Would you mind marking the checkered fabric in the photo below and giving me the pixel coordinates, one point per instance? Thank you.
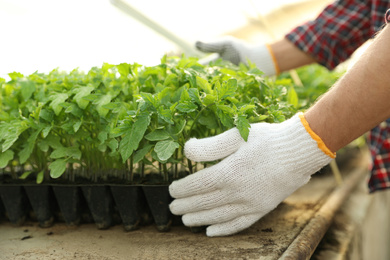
(339, 30)
(330, 39)
(379, 140)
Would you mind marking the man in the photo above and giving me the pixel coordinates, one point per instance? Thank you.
(255, 176)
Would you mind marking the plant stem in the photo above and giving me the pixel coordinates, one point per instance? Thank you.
(142, 169)
(72, 175)
(197, 117)
(176, 174)
(166, 178)
(190, 165)
(131, 169)
(44, 166)
(13, 173)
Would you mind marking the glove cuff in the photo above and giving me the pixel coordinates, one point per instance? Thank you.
(321, 145)
(265, 60)
(275, 62)
(293, 145)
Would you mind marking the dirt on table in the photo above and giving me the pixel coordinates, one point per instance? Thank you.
(86, 242)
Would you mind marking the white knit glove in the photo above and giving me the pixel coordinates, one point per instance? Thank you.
(237, 51)
(254, 177)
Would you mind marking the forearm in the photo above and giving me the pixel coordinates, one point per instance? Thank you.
(359, 101)
(288, 56)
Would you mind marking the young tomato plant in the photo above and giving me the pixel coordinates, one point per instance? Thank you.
(126, 122)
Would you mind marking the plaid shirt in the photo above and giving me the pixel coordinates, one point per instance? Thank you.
(330, 39)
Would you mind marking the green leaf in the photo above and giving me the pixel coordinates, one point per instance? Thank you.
(15, 75)
(5, 157)
(186, 107)
(209, 99)
(37, 79)
(154, 157)
(124, 69)
(179, 127)
(164, 96)
(80, 94)
(74, 110)
(171, 79)
(27, 88)
(115, 106)
(190, 76)
(50, 141)
(43, 146)
(172, 108)
(131, 139)
(292, 97)
(91, 97)
(12, 134)
(40, 177)
(106, 68)
(226, 119)
(165, 149)
(157, 135)
(255, 71)
(209, 120)
(226, 109)
(57, 168)
(228, 71)
(102, 148)
(140, 154)
(77, 125)
(243, 126)
(102, 136)
(25, 175)
(228, 89)
(149, 99)
(46, 131)
(164, 59)
(54, 141)
(29, 147)
(165, 114)
(10, 139)
(62, 152)
(245, 108)
(47, 115)
(103, 100)
(57, 100)
(113, 145)
(35, 114)
(280, 91)
(194, 95)
(3, 130)
(184, 96)
(204, 85)
(262, 117)
(68, 127)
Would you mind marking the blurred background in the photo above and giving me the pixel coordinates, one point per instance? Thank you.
(42, 35)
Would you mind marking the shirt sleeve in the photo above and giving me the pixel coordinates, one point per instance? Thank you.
(336, 33)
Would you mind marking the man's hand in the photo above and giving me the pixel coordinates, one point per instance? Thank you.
(237, 51)
(252, 179)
